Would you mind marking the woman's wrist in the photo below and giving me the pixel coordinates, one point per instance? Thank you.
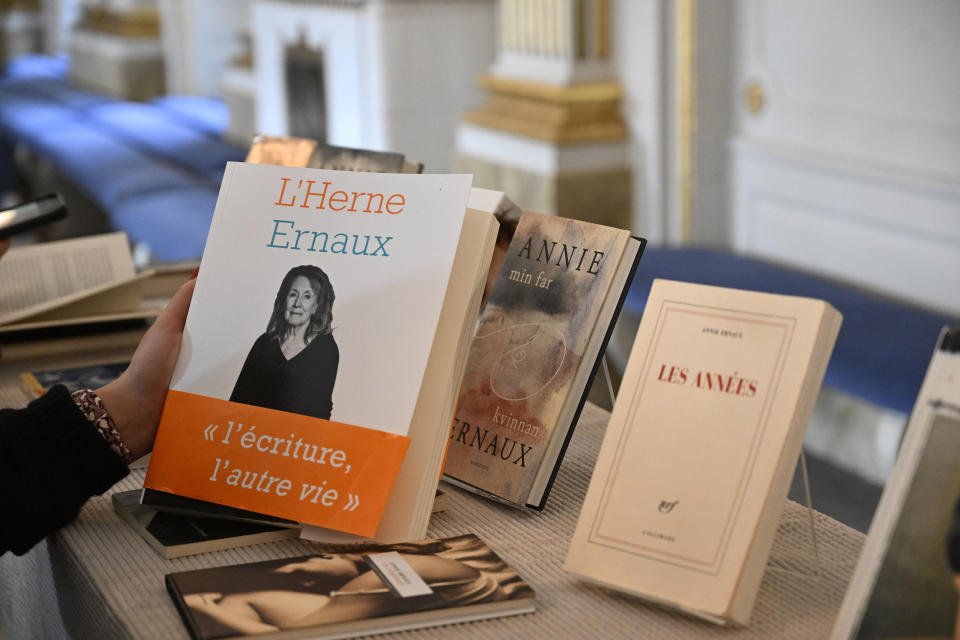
(92, 407)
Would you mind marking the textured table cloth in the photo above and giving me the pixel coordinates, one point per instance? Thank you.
(98, 579)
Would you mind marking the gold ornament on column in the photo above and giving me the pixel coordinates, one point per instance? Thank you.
(754, 96)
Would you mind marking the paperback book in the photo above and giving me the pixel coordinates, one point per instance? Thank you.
(701, 446)
(363, 590)
(539, 341)
(327, 336)
(175, 535)
(907, 580)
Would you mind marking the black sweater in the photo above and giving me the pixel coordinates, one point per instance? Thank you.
(51, 461)
(303, 384)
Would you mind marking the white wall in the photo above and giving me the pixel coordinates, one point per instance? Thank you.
(852, 169)
(874, 82)
(200, 37)
(399, 75)
(638, 40)
(716, 96)
(59, 16)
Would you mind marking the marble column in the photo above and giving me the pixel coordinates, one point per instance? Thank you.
(550, 133)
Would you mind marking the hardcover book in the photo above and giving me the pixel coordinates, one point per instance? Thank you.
(539, 341)
(364, 590)
(907, 580)
(304, 152)
(701, 446)
(174, 535)
(324, 346)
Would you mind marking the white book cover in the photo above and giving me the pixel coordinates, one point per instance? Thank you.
(701, 445)
(304, 350)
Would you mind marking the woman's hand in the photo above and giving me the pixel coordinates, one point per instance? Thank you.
(135, 399)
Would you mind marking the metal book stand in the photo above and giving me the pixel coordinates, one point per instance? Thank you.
(783, 563)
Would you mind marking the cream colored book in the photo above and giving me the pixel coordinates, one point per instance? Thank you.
(324, 347)
(413, 498)
(701, 446)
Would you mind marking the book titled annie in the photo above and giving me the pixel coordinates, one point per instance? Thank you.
(536, 348)
(313, 326)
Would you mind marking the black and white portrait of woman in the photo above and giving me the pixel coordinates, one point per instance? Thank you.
(293, 365)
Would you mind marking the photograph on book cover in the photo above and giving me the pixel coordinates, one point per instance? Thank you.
(918, 583)
(292, 366)
(318, 292)
(329, 588)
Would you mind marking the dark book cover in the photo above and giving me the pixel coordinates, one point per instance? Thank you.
(369, 589)
(74, 378)
(328, 156)
(174, 535)
(172, 503)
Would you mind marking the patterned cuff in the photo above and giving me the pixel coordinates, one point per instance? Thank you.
(91, 406)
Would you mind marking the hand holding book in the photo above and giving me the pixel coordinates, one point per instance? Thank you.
(50, 444)
(286, 427)
(135, 399)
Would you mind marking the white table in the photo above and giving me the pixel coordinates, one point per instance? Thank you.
(98, 579)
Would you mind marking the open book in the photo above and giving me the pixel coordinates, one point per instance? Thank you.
(324, 347)
(82, 280)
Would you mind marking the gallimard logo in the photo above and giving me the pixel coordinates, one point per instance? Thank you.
(327, 197)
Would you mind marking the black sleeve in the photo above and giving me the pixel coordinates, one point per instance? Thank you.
(51, 461)
(246, 389)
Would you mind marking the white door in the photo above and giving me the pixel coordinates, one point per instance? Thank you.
(845, 158)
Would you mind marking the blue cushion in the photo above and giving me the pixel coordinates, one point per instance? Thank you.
(61, 92)
(108, 170)
(205, 114)
(153, 130)
(24, 115)
(35, 65)
(173, 222)
(883, 348)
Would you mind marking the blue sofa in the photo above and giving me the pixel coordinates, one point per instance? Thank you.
(883, 348)
(153, 169)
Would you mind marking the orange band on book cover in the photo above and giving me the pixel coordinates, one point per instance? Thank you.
(316, 471)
